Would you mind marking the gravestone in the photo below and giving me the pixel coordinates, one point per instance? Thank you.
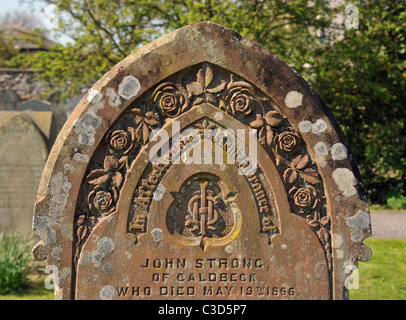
(35, 105)
(44, 121)
(201, 167)
(8, 99)
(23, 152)
(72, 103)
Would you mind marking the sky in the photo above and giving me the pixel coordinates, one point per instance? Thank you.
(14, 5)
(36, 7)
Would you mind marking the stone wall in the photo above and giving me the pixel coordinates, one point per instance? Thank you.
(22, 82)
(20, 85)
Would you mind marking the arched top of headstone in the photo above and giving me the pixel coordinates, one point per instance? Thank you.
(23, 153)
(43, 121)
(204, 76)
(35, 105)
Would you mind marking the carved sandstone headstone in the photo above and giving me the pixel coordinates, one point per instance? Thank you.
(201, 167)
(23, 152)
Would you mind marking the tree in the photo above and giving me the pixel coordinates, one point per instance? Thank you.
(362, 78)
(7, 40)
(7, 50)
(360, 74)
(106, 31)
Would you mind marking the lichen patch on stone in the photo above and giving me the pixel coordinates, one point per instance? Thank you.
(338, 151)
(319, 126)
(293, 99)
(107, 292)
(129, 87)
(345, 180)
(359, 222)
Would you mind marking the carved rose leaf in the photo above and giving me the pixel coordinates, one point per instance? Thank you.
(208, 77)
(111, 163)
(151, 119)
(81, 220)
(313, 223)
(325, 220)
(204, 87)
(274, 118)
(81, 233)
(290, 175)
(262, 137)
(324, 235)
(97, 176)
(194, 89)
(210, 98)
(219, 88)
(269, 135)
(137, 112)
(142, 133)
(117, 179)
(258, 123)
(300, 162)
(310, 176)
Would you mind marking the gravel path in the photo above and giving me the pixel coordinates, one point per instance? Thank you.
(390, 225)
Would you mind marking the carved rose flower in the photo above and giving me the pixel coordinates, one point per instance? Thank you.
(120, 141)
(103, 201)
(304, 198)
(240, 98)
(169, 99)
(289, 141)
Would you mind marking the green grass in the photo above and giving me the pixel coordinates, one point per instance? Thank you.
(384, 276)
(34, 290)
(383, 208)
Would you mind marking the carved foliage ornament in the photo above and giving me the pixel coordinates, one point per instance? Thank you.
(173, 97)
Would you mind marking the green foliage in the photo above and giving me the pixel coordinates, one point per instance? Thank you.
(396, 201)
(15, 255)
(7, 51)
(105, 31)
(362, 78)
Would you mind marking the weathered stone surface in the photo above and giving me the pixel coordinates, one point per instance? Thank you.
(171, 227)
(34, 105)
(23, 152)
(8, 100)
(43, 120)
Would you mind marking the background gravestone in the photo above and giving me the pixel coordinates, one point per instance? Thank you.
(71, 104)
(35, 105)
(8, 100)
(290, 229)
(23, 152)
